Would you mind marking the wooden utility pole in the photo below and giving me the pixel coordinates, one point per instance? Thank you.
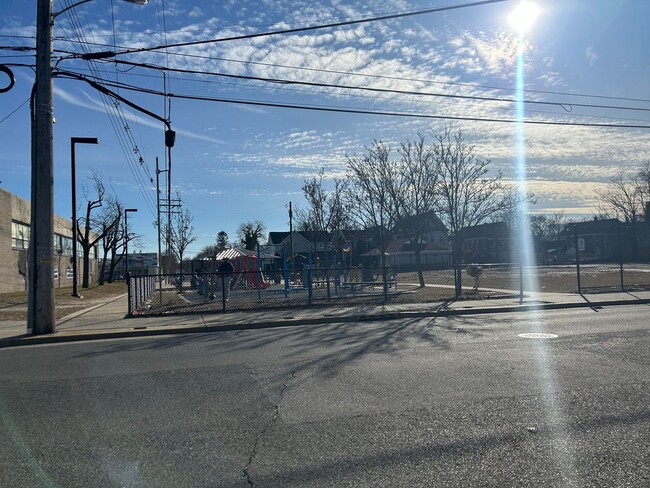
(40, 294)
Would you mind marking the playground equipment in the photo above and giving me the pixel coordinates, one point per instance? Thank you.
(248, 273)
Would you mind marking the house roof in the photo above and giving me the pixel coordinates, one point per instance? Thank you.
(593, 226)
(492, 230)
(234, 252)
(405, 245)
(429, 220)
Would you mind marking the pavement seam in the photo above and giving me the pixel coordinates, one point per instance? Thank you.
(246, 473)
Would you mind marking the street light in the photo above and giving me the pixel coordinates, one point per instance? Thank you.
(40, 294)
(73, 141)
(126, 240)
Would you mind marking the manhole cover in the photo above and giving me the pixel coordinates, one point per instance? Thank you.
(537, 335)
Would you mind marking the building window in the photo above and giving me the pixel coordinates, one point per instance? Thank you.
(19, 235)
(66, 245)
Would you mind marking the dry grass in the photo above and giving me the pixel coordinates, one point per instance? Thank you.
(13, 306)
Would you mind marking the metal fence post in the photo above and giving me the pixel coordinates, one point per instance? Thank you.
(128, 294)
(223, 292)
(384, 272)
(327, 281)
(575, 238)
(309, 284)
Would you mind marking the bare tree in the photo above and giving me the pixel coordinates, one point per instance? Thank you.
(110, 221)
(416, 198)
(326, 211)
(249, 234)
(89, 230)
(373, 181)
(643, 181)
(623, 197)
(513, 207)
(182, 235)
(469, 195)
(206, 252)
(547, 227)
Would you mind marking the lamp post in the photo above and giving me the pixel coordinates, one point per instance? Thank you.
(126, 240)
(40, 295)
(73, 141)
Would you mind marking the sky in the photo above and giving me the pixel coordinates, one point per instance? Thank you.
(234, 162)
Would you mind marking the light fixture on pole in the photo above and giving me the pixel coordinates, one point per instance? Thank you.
(40, 292)
(73, 172)
(126, 241)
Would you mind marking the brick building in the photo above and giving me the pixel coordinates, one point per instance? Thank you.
(15, 216)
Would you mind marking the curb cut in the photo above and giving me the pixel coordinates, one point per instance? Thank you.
(27, 340)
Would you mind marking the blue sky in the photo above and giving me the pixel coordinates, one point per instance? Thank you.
(235, 163)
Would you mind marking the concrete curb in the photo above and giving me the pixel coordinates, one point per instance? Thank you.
(26, 340)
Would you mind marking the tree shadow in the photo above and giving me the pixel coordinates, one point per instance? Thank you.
(337, 345)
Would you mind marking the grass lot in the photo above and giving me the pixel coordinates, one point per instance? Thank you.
(13, 306)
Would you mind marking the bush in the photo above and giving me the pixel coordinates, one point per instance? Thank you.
(475, 272)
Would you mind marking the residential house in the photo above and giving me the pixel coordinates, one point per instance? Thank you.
(486, 243)
(609, 239)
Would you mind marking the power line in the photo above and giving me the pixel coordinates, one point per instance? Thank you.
(117, 119)
(385, 77)
(567, 106)
(369, 112)
(294, 30)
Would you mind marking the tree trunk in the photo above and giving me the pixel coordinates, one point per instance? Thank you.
(418, 264)
(86, 273)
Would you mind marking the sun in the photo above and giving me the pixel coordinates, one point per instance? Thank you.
(523, 16)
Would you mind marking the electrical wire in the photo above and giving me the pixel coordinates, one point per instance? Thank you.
(567, 106)
(14, 110)
(361, 111)
(298, 29)
(117, 119)
(387, 77)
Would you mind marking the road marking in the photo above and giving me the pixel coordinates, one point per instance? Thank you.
(537, 335)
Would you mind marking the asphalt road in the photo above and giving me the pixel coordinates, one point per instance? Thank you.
(458, 401)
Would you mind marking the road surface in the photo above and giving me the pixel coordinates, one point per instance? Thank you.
(457, 401)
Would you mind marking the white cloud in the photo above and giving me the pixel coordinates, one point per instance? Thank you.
(591, 55)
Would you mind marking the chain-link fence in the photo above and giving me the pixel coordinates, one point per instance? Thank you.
(320, 289)
(315, 288)
(610, 256)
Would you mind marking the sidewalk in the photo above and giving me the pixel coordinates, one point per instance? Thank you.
(108, 320)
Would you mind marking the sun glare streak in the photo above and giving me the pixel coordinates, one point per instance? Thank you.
(555, 420)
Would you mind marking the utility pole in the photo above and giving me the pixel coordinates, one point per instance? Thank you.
(40, 294)
(291, 236)
(158, 228)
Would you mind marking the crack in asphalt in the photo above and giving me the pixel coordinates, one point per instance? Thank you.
(276, 411)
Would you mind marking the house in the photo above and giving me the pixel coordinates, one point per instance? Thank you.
(401, 249)
(429, 225)
(15, 217)
(486, 243)
(307, 246)
(400, 253)
(608, 239)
